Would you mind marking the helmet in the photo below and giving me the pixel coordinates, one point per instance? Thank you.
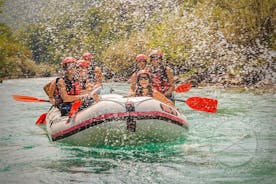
(68, 60)
(157, 53)
(83, 63)
(143, 72)
(87, 56)
(141, 57)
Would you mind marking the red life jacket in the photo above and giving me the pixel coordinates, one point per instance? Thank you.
(160, 81)
(72, 88)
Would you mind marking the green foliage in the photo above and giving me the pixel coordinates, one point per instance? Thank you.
(72, 35)
(245, 20)
(171, 36)
(189, 32)
(15, 58)
(119, 57)
(1, 4)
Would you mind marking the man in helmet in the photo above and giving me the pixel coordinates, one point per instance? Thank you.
(162, 76)
(141, 63)
(68, 72)
(95, 72)
(66, 89)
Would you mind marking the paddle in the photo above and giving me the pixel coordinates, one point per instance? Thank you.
(183, 88)
(196, 103)
(201, 103)
(23, 98)
(41, 119)
(76, 105)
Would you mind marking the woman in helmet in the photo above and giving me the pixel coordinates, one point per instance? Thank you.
(83, 74)
(83, 77)
(94, 72)
(141, 63)
(85, 85)
(65, 90)
(162, 76)
(144, 88)
(68, 72)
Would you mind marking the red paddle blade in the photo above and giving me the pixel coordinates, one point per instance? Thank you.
(41, 119)
(202, 104)
(75, 107)
(23, 98)
(183, 88)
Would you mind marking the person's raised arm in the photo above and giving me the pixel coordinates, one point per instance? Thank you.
(132, 87)
(159, 96)
(98, 75)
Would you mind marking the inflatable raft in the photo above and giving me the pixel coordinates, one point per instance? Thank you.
(116, 120)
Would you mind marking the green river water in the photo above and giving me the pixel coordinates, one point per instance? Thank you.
(235, 145)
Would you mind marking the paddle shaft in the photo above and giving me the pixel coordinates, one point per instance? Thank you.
(23, 98)
(179, 100)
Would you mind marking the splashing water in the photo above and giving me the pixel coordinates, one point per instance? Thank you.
(234, 145)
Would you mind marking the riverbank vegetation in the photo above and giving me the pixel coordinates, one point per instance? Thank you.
(230, 43)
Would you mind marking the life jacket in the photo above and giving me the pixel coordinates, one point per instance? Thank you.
(160, 80)
(72, 88)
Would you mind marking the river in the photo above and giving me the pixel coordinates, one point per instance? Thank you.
(235, 145)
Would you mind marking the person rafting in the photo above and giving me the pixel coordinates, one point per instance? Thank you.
(162, 76)
(95, 72)
(144, 87)
(141, 63)
(85, 85)
(65, 90)
(82, 75)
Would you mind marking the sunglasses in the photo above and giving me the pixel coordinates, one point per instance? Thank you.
(144, 77)
(154, 57)
(69, 66)
(142, 61)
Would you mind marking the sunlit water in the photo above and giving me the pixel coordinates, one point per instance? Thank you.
(235, 145)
